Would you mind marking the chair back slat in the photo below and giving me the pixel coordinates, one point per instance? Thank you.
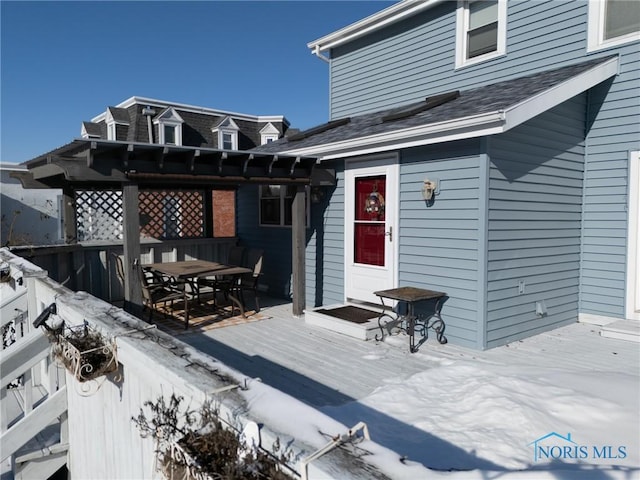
(236, 255)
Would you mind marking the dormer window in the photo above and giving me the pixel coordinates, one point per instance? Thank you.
(612, 22)
(227, 131)
(269, 133)
(117, 120)
(169, 127)
(481, 31)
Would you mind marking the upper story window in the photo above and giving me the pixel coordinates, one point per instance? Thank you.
(111, 131)
(275, 205)
(227, 131)
(269, 133)
(481, 31)
(613, 22)
(169, 127)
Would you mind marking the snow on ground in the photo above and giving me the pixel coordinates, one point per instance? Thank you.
(479, 416)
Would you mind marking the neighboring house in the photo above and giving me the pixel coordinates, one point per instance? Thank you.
(503, 138)
(170, 213)
(29, 217)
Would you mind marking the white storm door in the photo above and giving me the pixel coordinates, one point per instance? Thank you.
(371, 230)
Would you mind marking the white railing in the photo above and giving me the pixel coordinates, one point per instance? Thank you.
(33, 400)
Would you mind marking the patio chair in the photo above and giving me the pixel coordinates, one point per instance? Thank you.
(249, 281)
(235, 257)
(155, 291)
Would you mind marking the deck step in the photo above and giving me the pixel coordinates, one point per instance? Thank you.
(361, 331)
(623, 330)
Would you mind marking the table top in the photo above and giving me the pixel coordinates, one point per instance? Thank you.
(409, 294)
(196, 268)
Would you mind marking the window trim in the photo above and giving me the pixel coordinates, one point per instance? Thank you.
(177, 126)
(283, 189)
(111, 131)
(462, 28)
(595, 29)
(169, 118)
(234, 138)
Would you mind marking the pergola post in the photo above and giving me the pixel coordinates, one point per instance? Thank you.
(298, 216)
(69, 215)
(131, 233)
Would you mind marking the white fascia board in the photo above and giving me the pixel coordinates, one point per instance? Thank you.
(152, 102)
(374, 22)
(468, 127)
(535, 105)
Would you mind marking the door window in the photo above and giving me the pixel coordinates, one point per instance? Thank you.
(369, 225)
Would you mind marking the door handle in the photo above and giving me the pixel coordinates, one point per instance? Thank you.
(389, 234)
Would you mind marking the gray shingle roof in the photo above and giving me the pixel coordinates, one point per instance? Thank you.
(486, 99)
(92, 129)
(120, 115)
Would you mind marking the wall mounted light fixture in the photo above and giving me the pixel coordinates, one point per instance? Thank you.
(430, 187)
(317, 194)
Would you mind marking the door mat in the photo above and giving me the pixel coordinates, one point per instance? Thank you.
(350, 314)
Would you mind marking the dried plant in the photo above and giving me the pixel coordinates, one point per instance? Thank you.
(197, 445)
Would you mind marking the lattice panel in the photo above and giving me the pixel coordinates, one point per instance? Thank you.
(172, 214)
(99, 214)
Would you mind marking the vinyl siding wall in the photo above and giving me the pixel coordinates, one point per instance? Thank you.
(325, 248)
(614, 121)
(275, 241)
(439, 243)
(415, 58)
(535, 203)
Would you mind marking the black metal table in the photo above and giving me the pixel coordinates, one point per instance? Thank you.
(410, 322)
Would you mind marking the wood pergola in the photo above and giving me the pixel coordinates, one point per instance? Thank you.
(88, 164)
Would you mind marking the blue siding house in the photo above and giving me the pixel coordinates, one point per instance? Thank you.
(502, 142)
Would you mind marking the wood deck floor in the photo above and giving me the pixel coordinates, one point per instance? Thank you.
(323, 368)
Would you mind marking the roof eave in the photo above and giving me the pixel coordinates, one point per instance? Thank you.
(370, 24)
(489, 123)
(467, 127)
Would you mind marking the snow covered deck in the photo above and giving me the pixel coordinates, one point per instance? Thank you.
(448, 407)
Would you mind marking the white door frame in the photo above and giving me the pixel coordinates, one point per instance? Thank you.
(633, 239)
(357, 165)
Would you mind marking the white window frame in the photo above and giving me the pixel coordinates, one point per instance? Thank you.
(169, 118)
(283, 189)
(234, 138)
(229, 127)
(462, 27)
(595, 31)
(111, 131)
(177, 126)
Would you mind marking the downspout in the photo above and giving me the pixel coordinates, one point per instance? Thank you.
(149, 112)
(316, 52)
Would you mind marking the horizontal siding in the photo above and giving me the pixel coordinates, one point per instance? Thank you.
(325, 253)
(275, 241)
(415, 58)
(534, 215)
(438, 247)
(614, 131)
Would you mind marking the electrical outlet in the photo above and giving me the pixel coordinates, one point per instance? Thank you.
(520, 287)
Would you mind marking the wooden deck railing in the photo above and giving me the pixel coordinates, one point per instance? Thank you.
(90, 266)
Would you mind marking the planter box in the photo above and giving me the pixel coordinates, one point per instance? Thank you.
(86, 353)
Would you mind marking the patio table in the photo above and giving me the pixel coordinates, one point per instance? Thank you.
(188, 271)
(410, 322)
